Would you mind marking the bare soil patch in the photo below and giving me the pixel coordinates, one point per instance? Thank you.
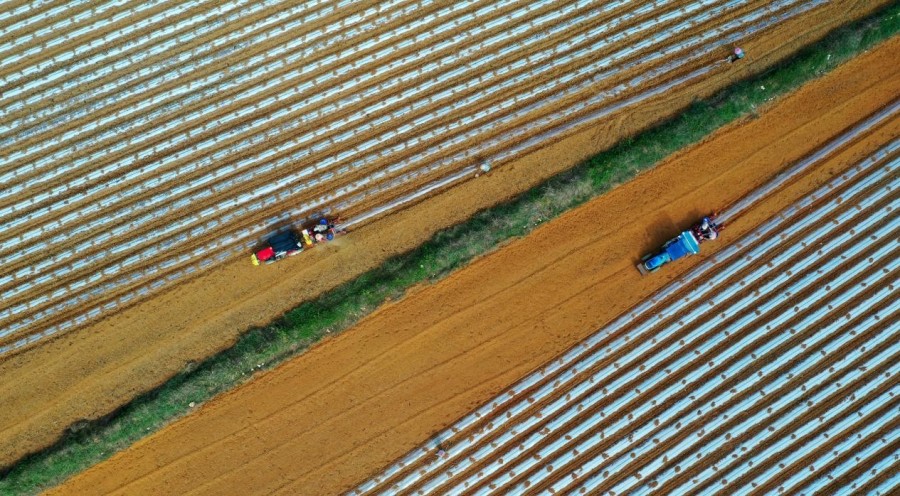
(327, 419)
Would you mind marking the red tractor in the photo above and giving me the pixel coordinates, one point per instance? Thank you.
(287, 243)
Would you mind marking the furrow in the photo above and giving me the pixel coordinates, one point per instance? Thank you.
(783, 323)
(863, 419)
(51, 40)
(732, 370)
(88, 73)
(704, 348)
(802, 356)
(887, 474)
(692, 472)
(575, 393)
(179, 262)
(261, 89)
(585, 357)
(860, 463)
(19, 15)
(809, 383)
(187, 172)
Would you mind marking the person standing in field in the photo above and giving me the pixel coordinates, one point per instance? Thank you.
(440, 450)
(738, 54)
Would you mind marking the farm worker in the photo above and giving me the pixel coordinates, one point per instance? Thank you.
(322, 227)
(707, 230)
(440, 452)
(737, 55)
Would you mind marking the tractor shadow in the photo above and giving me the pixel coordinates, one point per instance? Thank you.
(659, 230)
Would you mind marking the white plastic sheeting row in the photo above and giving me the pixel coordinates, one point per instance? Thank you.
(700, 340)
(203, 181)
(618, 455)
(123, 57)
(587, 397)
(149, 257)
(80, 29)
(126, 52)
(162, 199)
(263, 77)
(882, 465)
(319, 115)
(70, 21)
(28, 10)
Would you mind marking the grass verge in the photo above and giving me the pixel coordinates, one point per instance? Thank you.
(89, 443)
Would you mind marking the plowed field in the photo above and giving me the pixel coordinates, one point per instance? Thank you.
(329, 419)
(771, 365)
(144, 142)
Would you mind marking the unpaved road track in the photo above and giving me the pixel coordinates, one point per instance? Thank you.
(327, 420)
(88, 373)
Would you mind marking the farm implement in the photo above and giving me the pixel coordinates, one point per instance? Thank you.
(686, 243)
(291, 242)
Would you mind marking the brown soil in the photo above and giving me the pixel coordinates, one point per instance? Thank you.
(88, 373)
(190, 246)
(708, 361)
(324, 421)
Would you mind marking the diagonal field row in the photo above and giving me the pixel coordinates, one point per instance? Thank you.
(345, 410)
(770, 368)
(143, 142)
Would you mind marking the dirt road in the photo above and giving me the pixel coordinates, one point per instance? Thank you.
(328, 419)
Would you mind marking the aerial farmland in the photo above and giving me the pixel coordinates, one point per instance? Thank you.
(147, 149)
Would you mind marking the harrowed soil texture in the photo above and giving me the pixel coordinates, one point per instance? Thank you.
(328, 419)
(88, 373)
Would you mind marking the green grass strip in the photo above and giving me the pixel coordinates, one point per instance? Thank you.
(262, 348)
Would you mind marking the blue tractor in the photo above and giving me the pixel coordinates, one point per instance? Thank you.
(686, 243)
